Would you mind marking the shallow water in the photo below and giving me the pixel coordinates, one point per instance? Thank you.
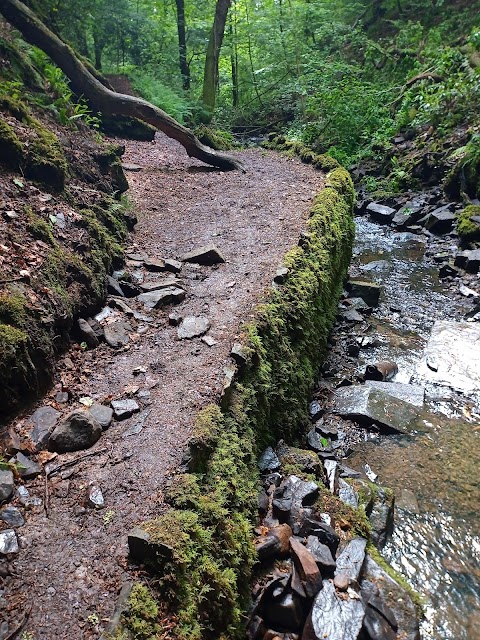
(436, 543)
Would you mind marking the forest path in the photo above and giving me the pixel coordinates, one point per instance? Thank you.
(73, 558)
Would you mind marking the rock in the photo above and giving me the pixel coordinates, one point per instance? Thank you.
(27, 468)
(291, 496)
(7, 485)
(307, 568)
(319, 444)
(281, 275)
(114, 288)
(8, 542)
(116, 333)
(380, 212)
(350, 560)
(256, 629)
(87, 334)
(95, 497)
(12, 516)
(174, 266)
(239, 353)
(369, 291)
(61, 397)
(351, 315)
(324, 532)
(474, 314)
(322, 554)
(207, 255)
(440, 220)
(447, 271)
(123, 409)
(407, 215)
(268, 461)
(193, 326)
(174, 319)
(468, 260)
(347, 494)
(143, 550)
(331, 470)
(367, 406)
(412, 393)
(302, 459)
(154, 264)
(376, 624)
(103, 315)
(467, 292)
(407, 500)
(333, 617)
(26, 499)
(44, 420)
(136, 256)
(286, 613)
(394, 596)
(382, 517)
(347, 472)
(452, 356)
(209, 341)
(384, 370)
(138, 424)
(315, 410)
(102, 414)
(157, 285)
(130, 166)
(263, 503)
(155, 299)
(129, 289)
(78, 430)
(275, 543)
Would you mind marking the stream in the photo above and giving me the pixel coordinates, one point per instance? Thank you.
(434, 470)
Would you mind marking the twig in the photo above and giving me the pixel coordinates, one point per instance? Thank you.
(11, 280)
(19, 626)
(46, 502)
(71, 463)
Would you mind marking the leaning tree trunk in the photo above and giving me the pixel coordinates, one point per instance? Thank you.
(210, 76)
(104, 99)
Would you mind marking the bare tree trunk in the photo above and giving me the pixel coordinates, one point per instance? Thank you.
(210, 77)
(182, 44)
(104, 99)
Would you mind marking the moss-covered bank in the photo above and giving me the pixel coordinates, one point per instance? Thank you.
(202, 547)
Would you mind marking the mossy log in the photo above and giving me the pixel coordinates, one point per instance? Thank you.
(107, 101)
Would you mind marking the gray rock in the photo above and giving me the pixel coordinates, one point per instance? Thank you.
(303, 459)
(468, 260)
(103, 315)
(78, 430)
(193, 326)
(351, 559)
(347, 494)
(143, 549)
(129, 289)
(412, 393)
(12, 516)
(291, 501)
(7, 485)
(138, 424)
(369, 291)
(268, 461)
(239, 353)
(123, 409)
(61, 397)
(102, 414)
(376, 623)
(8, 542)
(130, 166)
(95, 497)
(156, 285)
(44, 420)
(281, 275)
(26, 499)
(87, 334)
(27, 468)
(351, 315)
(136, 256)
(380, 212)
(209, 341)
(331, 470)
(116, 333)
(440, 220)
(286, 613)
(206, 255)
(174, 266)
(315, 410)
(322, 554)
(324, 532)
(382, 517)
(333, 617)
(367, 406)
(113, 287)
(154, 264)
(174, 319)
(155, 299)
(407, 215)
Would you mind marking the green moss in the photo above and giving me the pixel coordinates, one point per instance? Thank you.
(11, 149)
(319, 161)
(46, 161)
(216, 138)
(12, 309)
(38, 227)
(466, 229)
(141, 614)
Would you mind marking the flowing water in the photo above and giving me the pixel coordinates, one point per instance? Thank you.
(435, 472)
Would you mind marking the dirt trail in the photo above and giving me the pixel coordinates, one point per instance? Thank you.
(73, 559)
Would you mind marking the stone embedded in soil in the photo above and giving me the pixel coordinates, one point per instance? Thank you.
(380, 212)
(322, 554)
(367, 406)
(130, 166)
(116, 333)
(193, 326)
(281, 275)
(154, 264)
(347, 494)
(350, 560)
(87, 334)
(209, 341)
(136, 256)
(291, 496)
(95, 497)
(411, 393)
(286, 613)
(268, 461)
(168, 295)
(156, 285)
(27, 468)
(368, 291)
(123, 409)
(12, 517)
(78, 430)
(44, 420)
(207, 255)
(129, 289)
(7, 485)
(26, 499)
(102, 414)
(333, 617)
(306, 566)
(114, 288)
(143, 549)
(8, 542)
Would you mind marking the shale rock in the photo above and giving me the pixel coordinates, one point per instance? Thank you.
(268, 461)
(306, 567)
(12, 517)
(102, 414)
(168, 295)
(87, 334)
(380, 212)
(382, 517)
(275, 543)
(207, 255)
(44, 420)
(322, 554)
(440, 220)
(193, 326)
(333, 617)
(351, 559)
(411, 393)
(78, 430)
(123, 409)
(7, 485)
(27, 468)
(368, 291)
(116, 333)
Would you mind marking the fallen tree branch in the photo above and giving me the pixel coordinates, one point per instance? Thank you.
(427, 75)
(104, 99)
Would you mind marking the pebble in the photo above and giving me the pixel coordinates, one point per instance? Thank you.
(12, 516)
(123, 409)
(8, 542)
(95, 497)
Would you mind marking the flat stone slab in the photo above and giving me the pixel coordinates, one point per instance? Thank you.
(160, 284)
(333, 617)
(452, 356)
(155, 299)
(380, 212)
(411, 393)
(207, 255)
(44, 420)
(365, 404)
(193, 326)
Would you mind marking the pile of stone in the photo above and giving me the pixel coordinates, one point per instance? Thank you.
(316, 579)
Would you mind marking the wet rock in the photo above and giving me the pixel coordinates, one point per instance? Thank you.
(281, 275)
(322, 554)
(7, 485)
(26, 499)
(347, 494)
(302, 459)
(440, 220)
(114, 288)
(291, 496)
(384, 370)
(116, 333)
(407, 215)
(382, 517)
(87, 334)
(8, 542)
(376, 625)
(143, 549)
(286, 613)
(154, 264)
(168, 295)
(78, 430)
(12, 517)
(367, 406)
(129, 289)
(331, 470)
(27, 468)
(268, 461)
(123, 409)
(333, 617)
(407, 500)
(193, 326)
(468, 260)
(95, 498)
(174, 266)
(324, 532)
(102, 414)
(380, 212)
(207, 255)
(44, 420)
(394, 596)
(315, 410)
(452, 356)
(412, 393)
(351, 559)
(307, 568)
(276, 543)
(369, 291)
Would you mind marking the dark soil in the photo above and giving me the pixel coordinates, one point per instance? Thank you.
(73, 559)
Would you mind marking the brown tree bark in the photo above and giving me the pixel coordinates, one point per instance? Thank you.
(210, 76)
(104, 99)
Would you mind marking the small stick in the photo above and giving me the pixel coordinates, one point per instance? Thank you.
(70, 463)
(19, 626)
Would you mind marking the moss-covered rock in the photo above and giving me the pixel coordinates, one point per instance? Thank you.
(216, 138)
(11, 149)
(466, 228)
(45, 161)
